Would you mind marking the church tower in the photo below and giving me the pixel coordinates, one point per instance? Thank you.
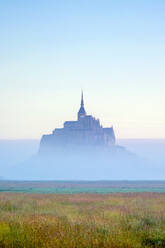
(81, 112)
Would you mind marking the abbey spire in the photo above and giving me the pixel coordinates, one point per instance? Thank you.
(81, 112)
(82, 99)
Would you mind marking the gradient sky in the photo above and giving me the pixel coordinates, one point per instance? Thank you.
(113, 50)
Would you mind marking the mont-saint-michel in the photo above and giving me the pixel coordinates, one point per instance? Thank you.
(85, 132)
(82, 149)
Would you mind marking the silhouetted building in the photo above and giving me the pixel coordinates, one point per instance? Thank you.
(85, 132)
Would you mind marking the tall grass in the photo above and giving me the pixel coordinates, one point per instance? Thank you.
(134, 220)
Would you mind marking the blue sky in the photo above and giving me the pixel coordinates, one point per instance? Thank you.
(113, 50)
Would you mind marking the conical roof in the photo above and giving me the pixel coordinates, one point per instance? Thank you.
(81, 111)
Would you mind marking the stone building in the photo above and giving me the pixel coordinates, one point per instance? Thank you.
(85, 132)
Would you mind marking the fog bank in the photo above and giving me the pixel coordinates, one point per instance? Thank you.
(18, 160)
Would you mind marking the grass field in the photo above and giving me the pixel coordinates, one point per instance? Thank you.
(82, 220)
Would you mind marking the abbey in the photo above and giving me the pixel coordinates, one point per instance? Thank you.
(86, 132)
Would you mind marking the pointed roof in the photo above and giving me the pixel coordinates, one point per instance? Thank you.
(82, 99)
(81, 111)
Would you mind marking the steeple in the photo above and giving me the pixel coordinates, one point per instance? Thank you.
(81, 112)
(82, 99)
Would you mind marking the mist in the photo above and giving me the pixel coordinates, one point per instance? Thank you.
(143, 160)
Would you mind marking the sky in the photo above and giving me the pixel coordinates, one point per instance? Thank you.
(113, 50)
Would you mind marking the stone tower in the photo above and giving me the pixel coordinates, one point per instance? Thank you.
(81, 112)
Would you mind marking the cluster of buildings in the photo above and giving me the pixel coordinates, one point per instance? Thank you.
(86, 132)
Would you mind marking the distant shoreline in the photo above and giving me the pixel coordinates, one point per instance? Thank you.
(83, 186)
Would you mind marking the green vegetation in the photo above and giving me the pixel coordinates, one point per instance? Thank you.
(130, 220)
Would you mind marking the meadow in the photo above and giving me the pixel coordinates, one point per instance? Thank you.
(130, 220)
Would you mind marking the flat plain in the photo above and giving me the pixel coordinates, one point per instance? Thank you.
(76, 187)
(117, 220)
